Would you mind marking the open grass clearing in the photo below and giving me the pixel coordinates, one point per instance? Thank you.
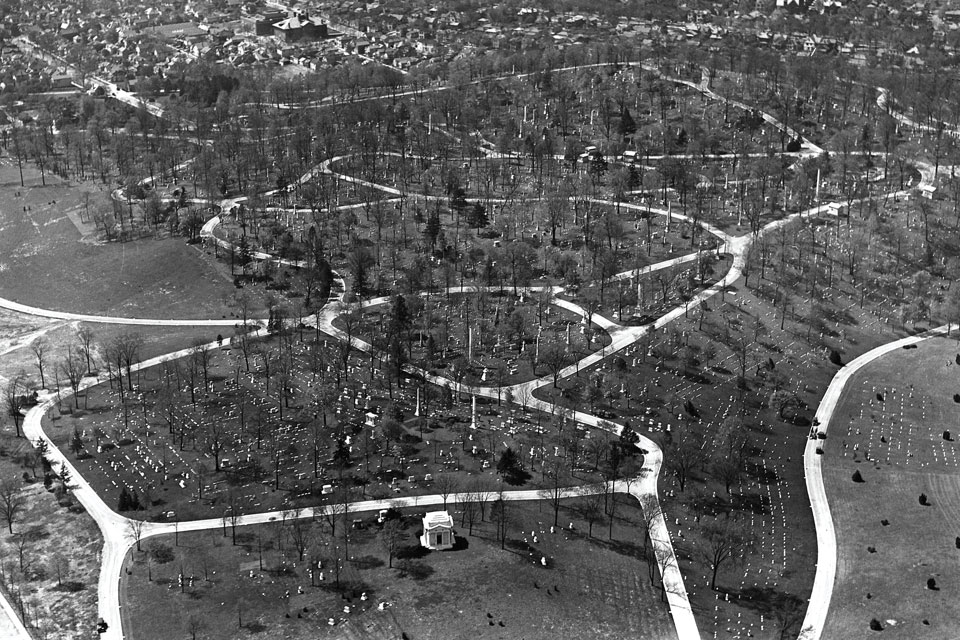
(48, 262)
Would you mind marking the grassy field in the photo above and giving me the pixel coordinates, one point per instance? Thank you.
(18, 330)
(51, 260)
(591, 588)
(889, 426)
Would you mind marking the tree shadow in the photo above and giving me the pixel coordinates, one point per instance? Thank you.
(787, 608)
(414, 569)
(412, 552)
(367, 562)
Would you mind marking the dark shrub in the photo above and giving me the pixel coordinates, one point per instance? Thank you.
(923, 500)
(875, 625)
(835, 358)
(932, 584)
(857, 477)
(392, 514)
(161, 553)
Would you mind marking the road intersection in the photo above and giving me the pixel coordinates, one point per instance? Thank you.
(118, 531)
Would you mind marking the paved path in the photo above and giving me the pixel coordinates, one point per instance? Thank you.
(644, 488)
(118, 531)
(119, 536)
(11, 628)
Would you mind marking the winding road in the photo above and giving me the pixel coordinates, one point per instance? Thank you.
(118, 531)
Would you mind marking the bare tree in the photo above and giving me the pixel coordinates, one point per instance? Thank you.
(682, 455)
(127, 350)
(652, 513)
(20, 542)
(556, 357)
(61, 564)
(243, 303)
(135, 527)
(335, 561)
(216, 439)
(72, 369)
(501, 516)
(789, 610)
(482, 493)
(391, 537)
(236, 506)
(724, 540)
(40, 348)
(12, 501)
(332, 512)
(555, 476)
(591, 508)
(85, 336)
(446, 484)
(201, 357)
(300, 536)
(245, 343)
(12, 395)
(469, 509)
(194, 624)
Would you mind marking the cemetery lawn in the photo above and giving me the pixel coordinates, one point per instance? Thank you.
(52, 259)
(267, 457)
(508, 333)
(918, 543)
(591, 588)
